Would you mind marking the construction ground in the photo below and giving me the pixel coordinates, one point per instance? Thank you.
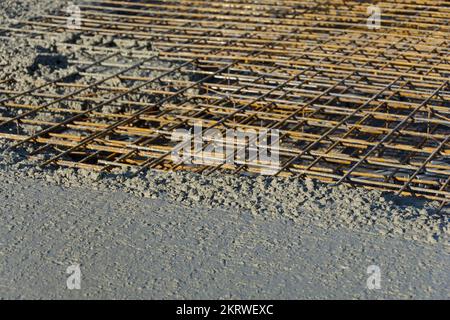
(95, 96)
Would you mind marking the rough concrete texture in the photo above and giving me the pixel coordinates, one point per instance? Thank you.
(181, 235)
(294, 199)
(131, 247)
(12, 9)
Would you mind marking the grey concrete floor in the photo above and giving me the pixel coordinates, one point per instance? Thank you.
(133, 248)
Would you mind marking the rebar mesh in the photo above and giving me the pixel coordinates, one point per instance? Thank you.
(352, 105)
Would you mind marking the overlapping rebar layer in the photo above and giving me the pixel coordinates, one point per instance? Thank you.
(352, 104)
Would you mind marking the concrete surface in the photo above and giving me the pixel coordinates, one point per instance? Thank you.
(135, 248)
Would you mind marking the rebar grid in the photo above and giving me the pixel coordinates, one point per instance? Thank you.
(352, 105)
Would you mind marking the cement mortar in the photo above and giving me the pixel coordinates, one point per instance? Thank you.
(304, 201)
